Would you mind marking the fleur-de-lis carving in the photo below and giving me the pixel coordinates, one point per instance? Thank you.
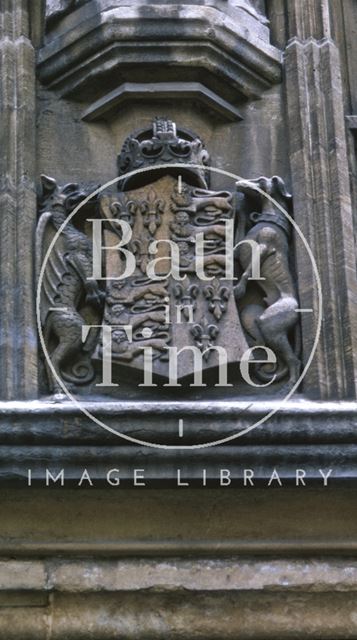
(217, 297)
(152, 211)
(124, 211)
(204, 336)
(186, 293)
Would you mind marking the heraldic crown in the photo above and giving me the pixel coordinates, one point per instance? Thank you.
(163, 144)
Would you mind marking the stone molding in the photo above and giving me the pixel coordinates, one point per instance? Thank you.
(210, 574)
(229, 49)
(323, 210)
(303, 435)
(352, 123)
(153, 91)
(61, 599)
(18, 336)
(310, 18)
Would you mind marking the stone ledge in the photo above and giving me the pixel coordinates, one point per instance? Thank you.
(178, 523)
(237, 598)
(298, 421)
(222, 50)
(185, 615)
(307, 435)
(164, 548)
(130, 92)
(235, 574)
(22, 575)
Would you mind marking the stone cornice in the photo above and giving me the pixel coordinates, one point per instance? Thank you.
(303, 435)
(104, 47)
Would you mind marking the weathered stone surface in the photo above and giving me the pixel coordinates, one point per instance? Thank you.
(200, 575)
(185, 522)
(185, 616)
(226, 47)
(309, 19)
(323, 210)
(18, 338)
(150, 598)
(166, 92)
(67, 440)
(240, 597)
(22, 576)
(229, 570)
(185, 310)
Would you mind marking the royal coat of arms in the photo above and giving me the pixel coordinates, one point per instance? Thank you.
(173, 292)
(178, 309)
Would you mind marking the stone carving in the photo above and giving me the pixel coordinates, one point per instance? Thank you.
(205, 335)
(270, 323)
(217, 297)
(186, 294)
(183, 290)
(162, 145)
(122, 210)
(66, 288)
(171, 308)
(152, 211)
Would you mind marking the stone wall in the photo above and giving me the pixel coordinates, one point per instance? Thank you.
(266, 548)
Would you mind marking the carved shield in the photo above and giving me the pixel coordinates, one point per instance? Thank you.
(170, 312)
